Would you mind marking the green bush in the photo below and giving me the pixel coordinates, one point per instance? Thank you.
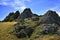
(11, 19)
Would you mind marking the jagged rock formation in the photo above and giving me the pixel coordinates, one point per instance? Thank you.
(8, 17)
(16, 15)
(26, 13)
(49, 23)
(20, 17)
(12, 16)
(51, 17)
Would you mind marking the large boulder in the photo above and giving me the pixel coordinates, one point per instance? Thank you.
(29, 31)
(51, 22)
(49, 28)
(21, 35)
(50, 17)
(17, 29)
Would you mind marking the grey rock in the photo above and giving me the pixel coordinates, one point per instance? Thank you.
(26, 13)
(29, 31)
(58, 31)
(17, 29)
(49, 29)
(12, 16)
(50, 17)
(21, 35)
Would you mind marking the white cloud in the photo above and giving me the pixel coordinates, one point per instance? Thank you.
(16, 4)
(4, 3)
(23, 7)
(58, 13)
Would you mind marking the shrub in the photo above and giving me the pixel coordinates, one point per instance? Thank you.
(11, 19)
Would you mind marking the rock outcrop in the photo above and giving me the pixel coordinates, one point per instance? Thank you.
(50, 22)
(12, 16)
(26, 13)
(8, 17)
(49, 28)
(50, 17)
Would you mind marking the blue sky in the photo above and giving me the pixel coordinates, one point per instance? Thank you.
(37, 6)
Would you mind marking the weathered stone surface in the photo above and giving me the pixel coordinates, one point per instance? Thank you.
(29, 31)
(49, 28)
(8, 17)
(26, 13)
(51, 22)
(50, 17)
(21, 35)
(35, 18)
(48, 23)
(16, 15)
(17, 29)
(58, 31)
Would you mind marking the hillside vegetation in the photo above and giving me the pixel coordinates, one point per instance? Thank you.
(7, 27)
(30, 26)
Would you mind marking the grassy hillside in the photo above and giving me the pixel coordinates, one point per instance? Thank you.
(7, 27)
(5, 31)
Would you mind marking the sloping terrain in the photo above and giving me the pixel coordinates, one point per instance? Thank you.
(31, 26)
(47, 24)
(7, 27)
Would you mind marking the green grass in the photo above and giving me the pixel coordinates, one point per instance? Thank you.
(5, 31)
(7, 27)
(30, 22)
